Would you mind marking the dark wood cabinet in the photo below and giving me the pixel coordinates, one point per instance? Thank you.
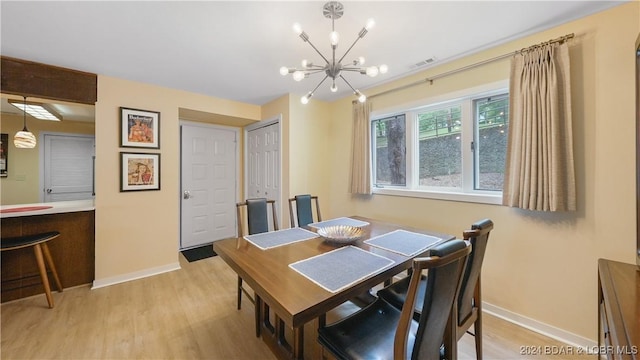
(73, 252)
(618, 310)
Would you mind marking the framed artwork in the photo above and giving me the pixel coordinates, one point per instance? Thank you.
(139, 171)
(4, 154)
(139, 128)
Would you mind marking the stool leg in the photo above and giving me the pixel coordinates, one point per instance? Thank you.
(43, 274)
(49, 259)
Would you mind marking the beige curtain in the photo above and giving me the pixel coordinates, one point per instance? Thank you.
(361, 143)
(539, 171)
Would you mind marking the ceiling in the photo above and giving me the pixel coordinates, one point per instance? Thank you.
(234, 49)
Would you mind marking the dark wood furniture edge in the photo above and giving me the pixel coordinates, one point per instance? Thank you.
(612, 321)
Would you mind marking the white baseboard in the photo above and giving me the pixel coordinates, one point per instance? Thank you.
(540, 327)
(135, 275)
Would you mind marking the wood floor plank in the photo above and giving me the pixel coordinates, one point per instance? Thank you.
(185, 314)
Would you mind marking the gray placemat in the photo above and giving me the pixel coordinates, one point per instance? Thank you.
(340, 268)
(404, 242)
(277, 238)
(339, 221)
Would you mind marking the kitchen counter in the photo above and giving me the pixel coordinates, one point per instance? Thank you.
(73, 251)
(7, 211)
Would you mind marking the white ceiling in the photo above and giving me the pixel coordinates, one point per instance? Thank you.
(234, 49)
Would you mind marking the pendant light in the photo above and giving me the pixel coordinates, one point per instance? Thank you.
(24, 139)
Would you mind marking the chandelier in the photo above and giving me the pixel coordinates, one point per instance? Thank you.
(333, 68)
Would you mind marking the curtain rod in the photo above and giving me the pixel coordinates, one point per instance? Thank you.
(471, 66)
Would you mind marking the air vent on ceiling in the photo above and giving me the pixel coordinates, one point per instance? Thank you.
(422, 63)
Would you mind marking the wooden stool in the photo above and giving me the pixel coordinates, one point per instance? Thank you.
(39, 243)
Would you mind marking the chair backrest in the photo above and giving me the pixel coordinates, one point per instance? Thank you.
(478, 236)
(257, 216)
(304, 212)
(445, 268)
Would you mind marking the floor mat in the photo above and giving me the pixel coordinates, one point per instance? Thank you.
(199, 253)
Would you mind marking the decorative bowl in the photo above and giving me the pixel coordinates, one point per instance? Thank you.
(341, 234)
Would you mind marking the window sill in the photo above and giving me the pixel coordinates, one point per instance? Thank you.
(481, 198)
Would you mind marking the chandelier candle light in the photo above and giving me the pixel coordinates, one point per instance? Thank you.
(332, 67)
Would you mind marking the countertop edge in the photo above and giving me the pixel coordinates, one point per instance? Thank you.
(58, 207)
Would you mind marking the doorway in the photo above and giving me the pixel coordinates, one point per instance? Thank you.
(209, 174)
(263, 162)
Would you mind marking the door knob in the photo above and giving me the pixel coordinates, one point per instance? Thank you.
(49, 191)
(186, 195)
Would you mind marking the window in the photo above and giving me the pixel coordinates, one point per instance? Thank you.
(451, 149)
(390, 140)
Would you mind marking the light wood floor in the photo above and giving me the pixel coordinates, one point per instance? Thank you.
(185, 314)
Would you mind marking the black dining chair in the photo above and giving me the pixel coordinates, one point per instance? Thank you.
(382, 331)
(303, 215)
(257, 221)
(468, 304)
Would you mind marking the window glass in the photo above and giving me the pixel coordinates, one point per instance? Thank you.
(390, 151)
(440, 158)
(491, 120)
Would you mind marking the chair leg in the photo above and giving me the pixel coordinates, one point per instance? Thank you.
(477, 329)
(239, 292)
(37, 249)
(49, 259)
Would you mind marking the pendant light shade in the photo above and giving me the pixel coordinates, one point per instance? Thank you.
(24, 139)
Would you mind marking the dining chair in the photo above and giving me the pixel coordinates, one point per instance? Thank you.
(468, 304)
(382, 331)
(257, 221)
(303, 210)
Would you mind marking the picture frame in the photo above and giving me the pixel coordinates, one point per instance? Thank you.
(4, 154)
(139, 171)
(139, 128)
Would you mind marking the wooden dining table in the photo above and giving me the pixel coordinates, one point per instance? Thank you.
(294, 299)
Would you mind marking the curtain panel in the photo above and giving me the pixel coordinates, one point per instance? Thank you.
(539, 172)
(360, 150)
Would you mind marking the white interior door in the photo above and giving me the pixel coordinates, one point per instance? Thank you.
(68, 167)
(209, 178)
(263, 158)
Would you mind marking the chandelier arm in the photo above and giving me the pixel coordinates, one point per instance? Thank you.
(349, 49)
(353, 69)
(348, 84)
(318, 51)
(320, 83)
(311, 72)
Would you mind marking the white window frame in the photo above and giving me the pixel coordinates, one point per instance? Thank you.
(412, 189)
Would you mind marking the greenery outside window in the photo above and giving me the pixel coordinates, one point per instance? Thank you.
(452, 149)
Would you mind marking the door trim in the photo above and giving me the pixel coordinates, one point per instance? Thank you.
(260, 124)
(236, 131)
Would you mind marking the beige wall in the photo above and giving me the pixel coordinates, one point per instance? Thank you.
(541, 266)
(311, 144)
(138, 232)
(21, 186)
